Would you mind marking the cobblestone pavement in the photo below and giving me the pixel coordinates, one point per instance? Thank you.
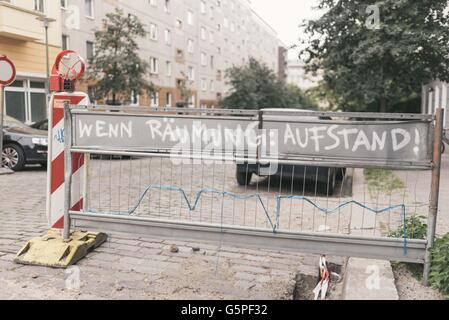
(134, 267)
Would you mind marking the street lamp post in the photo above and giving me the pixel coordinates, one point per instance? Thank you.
(47, 22)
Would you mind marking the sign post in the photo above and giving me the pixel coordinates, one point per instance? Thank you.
(68, 68)
(7, 76)
(61, 248)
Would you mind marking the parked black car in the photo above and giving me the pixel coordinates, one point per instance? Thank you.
(41, 125)
(23, 145)
(325, 177)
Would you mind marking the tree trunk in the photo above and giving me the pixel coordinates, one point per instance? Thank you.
(383, 105)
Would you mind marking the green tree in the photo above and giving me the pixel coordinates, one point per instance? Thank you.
(116, 66)
(324, 95)
(366, 64)
(300, 99)
(255, 86)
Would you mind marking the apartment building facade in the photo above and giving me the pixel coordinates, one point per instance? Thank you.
(297, 75)
(283, 63)
(22, 39)
(194, 41)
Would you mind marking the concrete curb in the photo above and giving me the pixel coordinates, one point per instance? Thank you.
(4, 171)
(369, 280)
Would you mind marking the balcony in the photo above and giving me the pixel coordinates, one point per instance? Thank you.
(19, 23)
(179, 56)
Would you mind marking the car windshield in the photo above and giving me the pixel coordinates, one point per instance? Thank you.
(10, 122)
(42, 125)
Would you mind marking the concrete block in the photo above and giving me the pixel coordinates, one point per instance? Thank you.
(369, 280)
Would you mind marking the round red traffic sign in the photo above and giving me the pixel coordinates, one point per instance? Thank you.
(7, 71)
(70, 65)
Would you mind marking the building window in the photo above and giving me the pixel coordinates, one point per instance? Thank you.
(168, 68)
(203, 6)
(153, 3)
(168, 99)
(134, 98)
(26, 100)
(153, 32)
(64, 4)
(167, 37)
(203, 59)
(155, 99)
(203, 33)
(89, 8)
(39, 5)
(65, 42)
(212, 62)
(192, 101)
(212, 86)
(190, 17)
(191, 73)
(154, 65)
(167, 6)
(211, 37)
(179, 23)
(211, 12)
(90, 50)
(203, 85)
(190, 46)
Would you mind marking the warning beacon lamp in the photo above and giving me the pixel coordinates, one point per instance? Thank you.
(68, 67)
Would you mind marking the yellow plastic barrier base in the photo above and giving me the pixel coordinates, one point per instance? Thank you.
(52, 251)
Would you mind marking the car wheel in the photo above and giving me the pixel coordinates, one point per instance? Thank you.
(13, 157)
(244, 178)
(443, 148)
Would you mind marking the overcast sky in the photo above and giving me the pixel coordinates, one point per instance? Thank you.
(285, 16)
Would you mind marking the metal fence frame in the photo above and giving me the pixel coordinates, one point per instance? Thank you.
(416, 251)
(435, 94)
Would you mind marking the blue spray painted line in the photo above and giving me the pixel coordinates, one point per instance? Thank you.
(194, 206)
(199, 194)
(343, 205)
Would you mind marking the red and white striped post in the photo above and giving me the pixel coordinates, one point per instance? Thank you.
(56, 179)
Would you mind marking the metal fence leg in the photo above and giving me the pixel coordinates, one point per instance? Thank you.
(86, 178)
(67, 170)
(434, 193)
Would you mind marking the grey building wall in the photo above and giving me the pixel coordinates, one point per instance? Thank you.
(283, 63)
(296, 75)
(233, 33)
